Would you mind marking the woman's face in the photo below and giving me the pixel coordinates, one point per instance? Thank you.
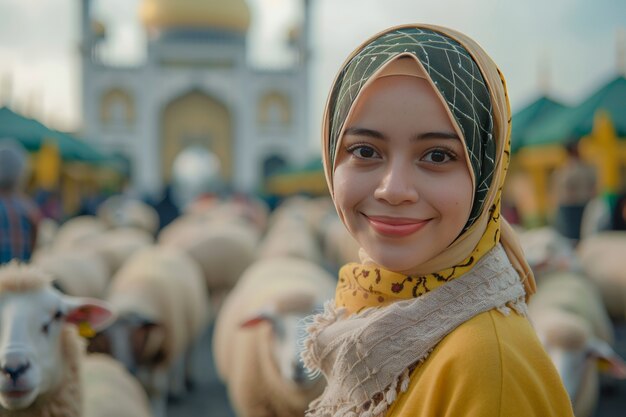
(401, 180)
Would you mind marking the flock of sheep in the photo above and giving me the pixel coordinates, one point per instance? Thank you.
(581, 291)
(144, 299)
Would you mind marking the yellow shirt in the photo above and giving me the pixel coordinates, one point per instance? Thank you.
(490, 366)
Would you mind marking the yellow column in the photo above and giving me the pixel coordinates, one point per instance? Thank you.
(538, 163)
(47, 166)
(602, 149)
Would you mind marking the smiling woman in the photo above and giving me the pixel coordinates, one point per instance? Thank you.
(433, 322)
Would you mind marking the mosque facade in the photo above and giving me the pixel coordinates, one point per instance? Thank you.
(196, 89)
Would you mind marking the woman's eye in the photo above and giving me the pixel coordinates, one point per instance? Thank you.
(364, 152)
(438, 156)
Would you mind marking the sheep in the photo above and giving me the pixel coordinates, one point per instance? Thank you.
(81, 273)
(240, 208)
(46, 232)
(574, 327)
(603, 257)
(338, 245)
(258, 337)
(77, 230)
(121, 211)
(117, 245)
(160, 299)
(40, 349)
(223, 250)
(546, 251)
(289, 233)
(110, 391)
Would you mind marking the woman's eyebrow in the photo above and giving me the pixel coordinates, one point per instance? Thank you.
(361, 131)
(437, 135)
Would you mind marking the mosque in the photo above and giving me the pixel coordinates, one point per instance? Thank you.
(196, 89)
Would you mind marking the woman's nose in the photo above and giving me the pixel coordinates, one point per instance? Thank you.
(397, 185)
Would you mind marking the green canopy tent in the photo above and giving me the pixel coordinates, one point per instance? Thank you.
(33, 134)
(534, 113)
(569, 125)
(308, 178)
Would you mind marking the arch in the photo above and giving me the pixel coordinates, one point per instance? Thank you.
(117, 107)
(196, 119)
(274, 109)
(272, 164)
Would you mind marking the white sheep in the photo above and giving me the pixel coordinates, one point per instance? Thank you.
(110, 390)
(603, 257)
(40, 350)
(289, 233)
(222, 249)
(575, 329)
(121, 211)
(77, 230)
(338, 245)
(258, 337)
(546, 251)
(81, 273)
(115, 246)
(160, 298)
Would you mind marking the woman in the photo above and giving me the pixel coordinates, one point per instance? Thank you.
(433, 322)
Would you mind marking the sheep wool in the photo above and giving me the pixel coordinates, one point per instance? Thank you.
(244, 357)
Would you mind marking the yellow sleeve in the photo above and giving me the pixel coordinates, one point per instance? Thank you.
(491, 366)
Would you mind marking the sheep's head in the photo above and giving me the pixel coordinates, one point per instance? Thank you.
(287, 316)
(574, 350)
(33, 325)
(547, 251)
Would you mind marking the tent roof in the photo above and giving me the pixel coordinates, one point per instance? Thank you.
(536, 112)
(32, 134)
(569, 125)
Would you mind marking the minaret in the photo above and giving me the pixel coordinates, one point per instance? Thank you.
(620, 45)
(543, 72)
(86, 51)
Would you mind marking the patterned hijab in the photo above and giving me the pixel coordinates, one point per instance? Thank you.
(474, 93)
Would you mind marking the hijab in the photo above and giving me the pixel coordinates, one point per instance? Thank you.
(474, 93)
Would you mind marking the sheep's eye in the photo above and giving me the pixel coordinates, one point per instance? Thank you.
(46, 328)
(58, 315)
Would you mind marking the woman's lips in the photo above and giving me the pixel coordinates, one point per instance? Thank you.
(395, 226)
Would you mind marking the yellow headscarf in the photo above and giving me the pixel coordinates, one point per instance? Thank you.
(449, 60)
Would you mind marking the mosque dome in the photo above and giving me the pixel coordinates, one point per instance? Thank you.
(230, 15)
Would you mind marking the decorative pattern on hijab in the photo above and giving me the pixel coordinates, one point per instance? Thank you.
(455, 75)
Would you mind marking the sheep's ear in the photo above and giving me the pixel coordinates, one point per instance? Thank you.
(608, 361)
(89, 314)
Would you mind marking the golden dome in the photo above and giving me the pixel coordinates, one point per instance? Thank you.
(232, 15)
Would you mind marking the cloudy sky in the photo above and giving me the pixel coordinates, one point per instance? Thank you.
(572, 41)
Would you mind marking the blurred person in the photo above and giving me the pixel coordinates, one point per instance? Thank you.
(165, 208)
(19, 216)
(618, 220)
(573, 186)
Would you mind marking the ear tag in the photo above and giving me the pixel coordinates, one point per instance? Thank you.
(85, 330)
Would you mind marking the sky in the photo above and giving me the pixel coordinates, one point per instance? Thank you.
(571, 42)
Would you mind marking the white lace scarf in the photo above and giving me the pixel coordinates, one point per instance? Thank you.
(366, 358)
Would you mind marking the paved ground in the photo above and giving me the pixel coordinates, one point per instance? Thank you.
(209, 399)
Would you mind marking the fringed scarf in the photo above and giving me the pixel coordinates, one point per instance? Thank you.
(366, 357)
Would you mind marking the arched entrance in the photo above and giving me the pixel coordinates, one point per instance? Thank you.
(196, 119)
(273, 164)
